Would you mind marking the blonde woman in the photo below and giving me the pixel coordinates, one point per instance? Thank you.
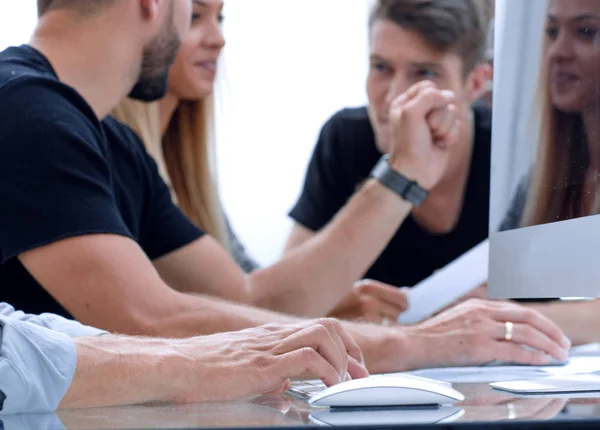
(564, 182)
(177, 130)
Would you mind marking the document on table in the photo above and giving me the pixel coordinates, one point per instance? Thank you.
(575, 366)
(446, 285)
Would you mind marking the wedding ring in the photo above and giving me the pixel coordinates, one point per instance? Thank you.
(385, 321)
(508, 331)
(512, 412)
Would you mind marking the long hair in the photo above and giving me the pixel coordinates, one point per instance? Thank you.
(185, 156)
(556, 183)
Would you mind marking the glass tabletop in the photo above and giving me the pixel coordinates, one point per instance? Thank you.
(482, 405)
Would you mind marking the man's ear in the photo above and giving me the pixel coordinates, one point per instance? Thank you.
(477, 81)
(150, 9)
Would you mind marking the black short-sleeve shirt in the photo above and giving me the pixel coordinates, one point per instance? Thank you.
(64, 173)
(343, 158)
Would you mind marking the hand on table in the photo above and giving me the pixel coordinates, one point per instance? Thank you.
(262, 360)
(474, 333)
(371, 301)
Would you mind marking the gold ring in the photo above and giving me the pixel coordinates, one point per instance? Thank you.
(508, 331)
(512, 412)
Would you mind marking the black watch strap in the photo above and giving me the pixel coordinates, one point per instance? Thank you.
(404, 187)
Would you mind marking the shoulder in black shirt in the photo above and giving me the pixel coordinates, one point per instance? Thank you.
(342, 160)
(64, 173)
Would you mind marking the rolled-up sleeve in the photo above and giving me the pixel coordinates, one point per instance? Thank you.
(51, 321)
(37, 366)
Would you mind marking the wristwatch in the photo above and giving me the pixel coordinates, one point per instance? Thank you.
(404, 187)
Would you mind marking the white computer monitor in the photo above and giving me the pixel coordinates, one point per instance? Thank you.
(545, 178)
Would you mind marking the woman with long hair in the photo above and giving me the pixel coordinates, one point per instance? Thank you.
(178, 130)
(564, 182)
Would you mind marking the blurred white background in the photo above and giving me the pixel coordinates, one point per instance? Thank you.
(288, 66)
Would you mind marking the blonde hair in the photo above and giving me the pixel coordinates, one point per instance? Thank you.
(555, 188)
(185, 157)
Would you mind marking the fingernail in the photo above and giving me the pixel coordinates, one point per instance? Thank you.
(565, 354)
(566, 342)
(347, 377)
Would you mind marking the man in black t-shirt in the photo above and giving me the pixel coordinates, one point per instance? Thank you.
(88, 229)
(415, 41)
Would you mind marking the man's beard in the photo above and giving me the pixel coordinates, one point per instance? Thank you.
(158, 57)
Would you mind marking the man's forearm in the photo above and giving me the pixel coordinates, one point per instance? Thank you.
(312, 278)
(184, 315)
(114, 370)
(386, 349)
(382, 347)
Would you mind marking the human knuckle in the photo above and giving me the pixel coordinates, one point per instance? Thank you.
(369, 302)
(309, 354)
(320, 331)
(363, 302)
(529, 316)
(328, 323)
(429, 91)
(262, 360)
(369, 287)
(322, 327)
(271, 327)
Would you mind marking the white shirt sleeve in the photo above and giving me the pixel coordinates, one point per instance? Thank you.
(37, 359)
(51, 321)
(37, 366)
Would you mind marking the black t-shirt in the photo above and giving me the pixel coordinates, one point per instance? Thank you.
(343, 158)
(64, 173)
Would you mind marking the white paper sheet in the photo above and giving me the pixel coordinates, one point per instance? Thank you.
(480, 374)
(447, 285)
(575, 366)
(553, 384)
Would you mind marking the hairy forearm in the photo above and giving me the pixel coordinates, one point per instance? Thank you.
(386, 349)
(184, 315)
(579, 320)
(115, 370)
(207, 315)
(312, 278)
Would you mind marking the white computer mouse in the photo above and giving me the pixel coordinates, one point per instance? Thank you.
(387, 390)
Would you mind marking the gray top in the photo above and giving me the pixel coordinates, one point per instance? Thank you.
(37, 359)
(514, 216)
(238, 252)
